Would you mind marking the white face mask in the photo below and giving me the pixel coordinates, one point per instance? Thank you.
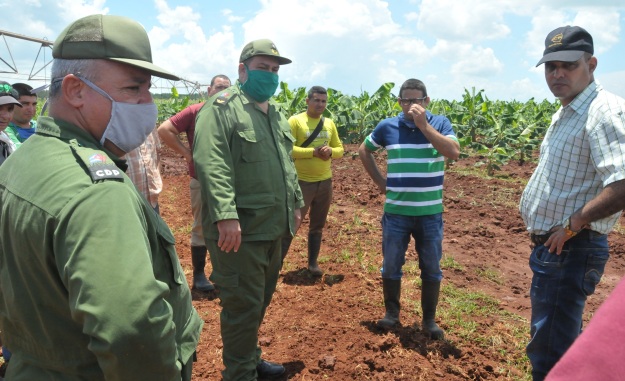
(130, 123)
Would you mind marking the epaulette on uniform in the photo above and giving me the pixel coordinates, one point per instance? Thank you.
(223, 98)
(100, 166)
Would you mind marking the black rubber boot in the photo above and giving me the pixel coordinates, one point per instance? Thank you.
(392, 292)
(314, 245)
(198, 259)
(429, 300)
(286, 244)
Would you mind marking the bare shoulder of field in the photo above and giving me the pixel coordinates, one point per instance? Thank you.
(323, 329)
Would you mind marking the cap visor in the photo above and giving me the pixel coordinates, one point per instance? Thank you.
(284, 61)
(153, 69)
(564, 56)
(8, 100)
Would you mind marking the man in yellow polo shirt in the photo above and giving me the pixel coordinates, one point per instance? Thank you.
(316, 144)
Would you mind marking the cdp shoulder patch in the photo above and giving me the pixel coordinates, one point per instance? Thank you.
(223, 98)
(100, 166)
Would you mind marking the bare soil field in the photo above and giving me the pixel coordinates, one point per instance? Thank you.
(324, 328)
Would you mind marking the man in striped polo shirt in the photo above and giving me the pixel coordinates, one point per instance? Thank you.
(417, 143)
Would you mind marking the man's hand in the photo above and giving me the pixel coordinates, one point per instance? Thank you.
(556, 240)
(229, 235)
(323, 152)
(417, 113)
(188, 157)
(298, 219)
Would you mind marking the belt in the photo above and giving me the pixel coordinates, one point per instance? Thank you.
(540, 239)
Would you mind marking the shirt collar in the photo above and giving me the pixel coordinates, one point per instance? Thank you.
(66, 131)
(581, 102)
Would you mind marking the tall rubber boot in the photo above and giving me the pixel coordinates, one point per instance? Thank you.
(314, 245)
(198, 259)
(392, 292)
(429, 300)
(286, 244)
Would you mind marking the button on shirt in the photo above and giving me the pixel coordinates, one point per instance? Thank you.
(583, 151)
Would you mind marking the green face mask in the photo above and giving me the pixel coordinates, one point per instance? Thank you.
(260, 84)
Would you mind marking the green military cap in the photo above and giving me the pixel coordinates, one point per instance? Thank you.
(262, 47)
(108, 37)
(8, 95)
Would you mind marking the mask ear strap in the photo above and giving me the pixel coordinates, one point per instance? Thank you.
(93, 86)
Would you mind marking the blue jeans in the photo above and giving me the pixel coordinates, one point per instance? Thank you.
(558, 294)
(427, 232)
(6, 354)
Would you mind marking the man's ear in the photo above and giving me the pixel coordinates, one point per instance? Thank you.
(72, 90)
(592, 64)
(242, 73)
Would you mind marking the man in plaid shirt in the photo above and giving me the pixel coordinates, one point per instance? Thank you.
(143, 168)
(574, 197)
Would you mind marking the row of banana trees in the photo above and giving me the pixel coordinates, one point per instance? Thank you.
(498, 131)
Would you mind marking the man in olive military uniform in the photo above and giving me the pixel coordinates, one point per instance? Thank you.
(90, 283)
(250, 200)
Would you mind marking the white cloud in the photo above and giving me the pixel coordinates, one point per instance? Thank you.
(602, 23)
(467, 20)
(613, 82)
(229, 14)
(180, 45)
(411, 16)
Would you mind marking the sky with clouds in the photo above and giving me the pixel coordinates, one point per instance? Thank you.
(349, 45)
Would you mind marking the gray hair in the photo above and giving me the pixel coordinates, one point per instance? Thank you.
(62, 67)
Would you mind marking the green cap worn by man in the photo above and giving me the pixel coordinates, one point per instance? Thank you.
(90, 284)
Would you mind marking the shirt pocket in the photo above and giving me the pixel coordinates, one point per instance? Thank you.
(256, 212)
(253, 146)
(253, 172)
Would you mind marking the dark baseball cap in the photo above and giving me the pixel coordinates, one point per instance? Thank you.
(8, 95)
(262, 47)
(108, 37)
(567, 44)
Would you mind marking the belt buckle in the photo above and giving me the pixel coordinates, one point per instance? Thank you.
(539, 239)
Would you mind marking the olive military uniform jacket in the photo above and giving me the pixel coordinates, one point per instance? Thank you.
(90, 284)
(243, 161)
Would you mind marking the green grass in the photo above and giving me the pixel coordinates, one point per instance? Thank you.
(449, 263)
(490, 274)
(461, 311)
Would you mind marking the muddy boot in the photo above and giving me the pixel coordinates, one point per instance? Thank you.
(198, 259)
(314, 245)
(286, 244)
(392, 292)
(429, 300)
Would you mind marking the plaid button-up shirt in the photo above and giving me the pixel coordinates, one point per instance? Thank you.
(582, 152)
(143, 168)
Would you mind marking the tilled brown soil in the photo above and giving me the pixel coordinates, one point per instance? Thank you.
(324, 329)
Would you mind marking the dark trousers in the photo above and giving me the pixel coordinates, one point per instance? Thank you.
(246, 281)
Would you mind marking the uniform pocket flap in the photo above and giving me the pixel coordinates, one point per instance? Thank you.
(255, 201)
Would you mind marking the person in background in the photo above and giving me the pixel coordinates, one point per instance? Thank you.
(90, 284)
(8, 104)
(22, 124)
(574, 197)
(417, 143)
(144, 168)
(250, 200)
(169, 131)
(316, 144)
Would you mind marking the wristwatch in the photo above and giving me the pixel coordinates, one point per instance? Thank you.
(567, 228)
